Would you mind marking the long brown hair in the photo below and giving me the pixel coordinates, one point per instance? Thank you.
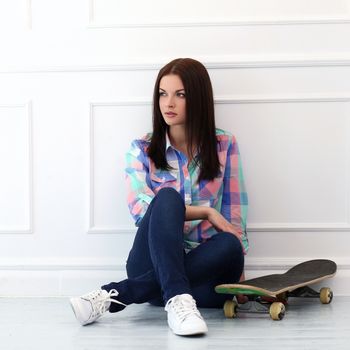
(200, 118)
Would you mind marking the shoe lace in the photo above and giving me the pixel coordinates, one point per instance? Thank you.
(183, 307)
(99, 301)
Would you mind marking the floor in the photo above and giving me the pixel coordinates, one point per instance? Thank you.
(48, 323)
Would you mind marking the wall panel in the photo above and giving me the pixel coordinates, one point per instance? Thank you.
(16, 169)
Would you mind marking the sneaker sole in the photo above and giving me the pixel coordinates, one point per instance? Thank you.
(190, 331)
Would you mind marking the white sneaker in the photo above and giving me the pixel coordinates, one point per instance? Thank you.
(184, 317)
(89, 307)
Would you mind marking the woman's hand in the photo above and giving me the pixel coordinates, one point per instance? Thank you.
(220, 223)
(213, 216)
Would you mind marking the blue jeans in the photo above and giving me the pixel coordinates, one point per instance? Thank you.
(158, 267)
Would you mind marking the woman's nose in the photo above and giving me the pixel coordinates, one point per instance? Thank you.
(170, 101)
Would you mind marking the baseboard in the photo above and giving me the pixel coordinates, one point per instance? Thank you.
(78, 276)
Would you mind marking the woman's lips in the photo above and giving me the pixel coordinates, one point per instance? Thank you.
(170, 114)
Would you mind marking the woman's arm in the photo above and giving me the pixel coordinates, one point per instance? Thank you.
(234, 200)
(215, 218)
(139, 194)
(210, 214)
(196, 213)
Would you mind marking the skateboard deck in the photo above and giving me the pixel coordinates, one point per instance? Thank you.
(273, 290)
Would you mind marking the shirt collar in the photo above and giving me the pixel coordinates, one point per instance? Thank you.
(169, 145)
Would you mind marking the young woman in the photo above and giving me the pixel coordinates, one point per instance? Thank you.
(187, 197)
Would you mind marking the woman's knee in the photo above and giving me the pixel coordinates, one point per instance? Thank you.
(169, 196)
(168, 192)
(230, 245)
(232, 254)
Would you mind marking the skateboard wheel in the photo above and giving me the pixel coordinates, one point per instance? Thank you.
(230, 309)
(326, 295)
(277, 311)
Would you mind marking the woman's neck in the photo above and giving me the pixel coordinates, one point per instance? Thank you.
(177, 136)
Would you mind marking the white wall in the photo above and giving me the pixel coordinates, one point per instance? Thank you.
(76, 80)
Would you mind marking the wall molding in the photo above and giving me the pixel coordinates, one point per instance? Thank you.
(291, 61)
(258, 227)
(237, 99)
(92, 229)
(291, 98)
(233, 23)
(91, 224)
(60, 264)
(28, 114)
(111, 264)
(298, 227)
(242, 21)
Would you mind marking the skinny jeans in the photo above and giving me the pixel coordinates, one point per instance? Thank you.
(158, 268)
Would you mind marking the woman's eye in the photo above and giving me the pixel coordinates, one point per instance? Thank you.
(181, 94)
(161, 93)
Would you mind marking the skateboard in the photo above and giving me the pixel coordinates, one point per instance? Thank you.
(269, 294)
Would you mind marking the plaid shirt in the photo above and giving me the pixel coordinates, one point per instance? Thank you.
(226, 193)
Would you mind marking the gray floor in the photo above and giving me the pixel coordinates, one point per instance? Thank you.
(48, 323)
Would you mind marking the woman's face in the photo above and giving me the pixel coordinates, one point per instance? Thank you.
(172, 100)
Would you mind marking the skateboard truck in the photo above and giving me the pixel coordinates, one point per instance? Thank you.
(325, 294)
(254, 305)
